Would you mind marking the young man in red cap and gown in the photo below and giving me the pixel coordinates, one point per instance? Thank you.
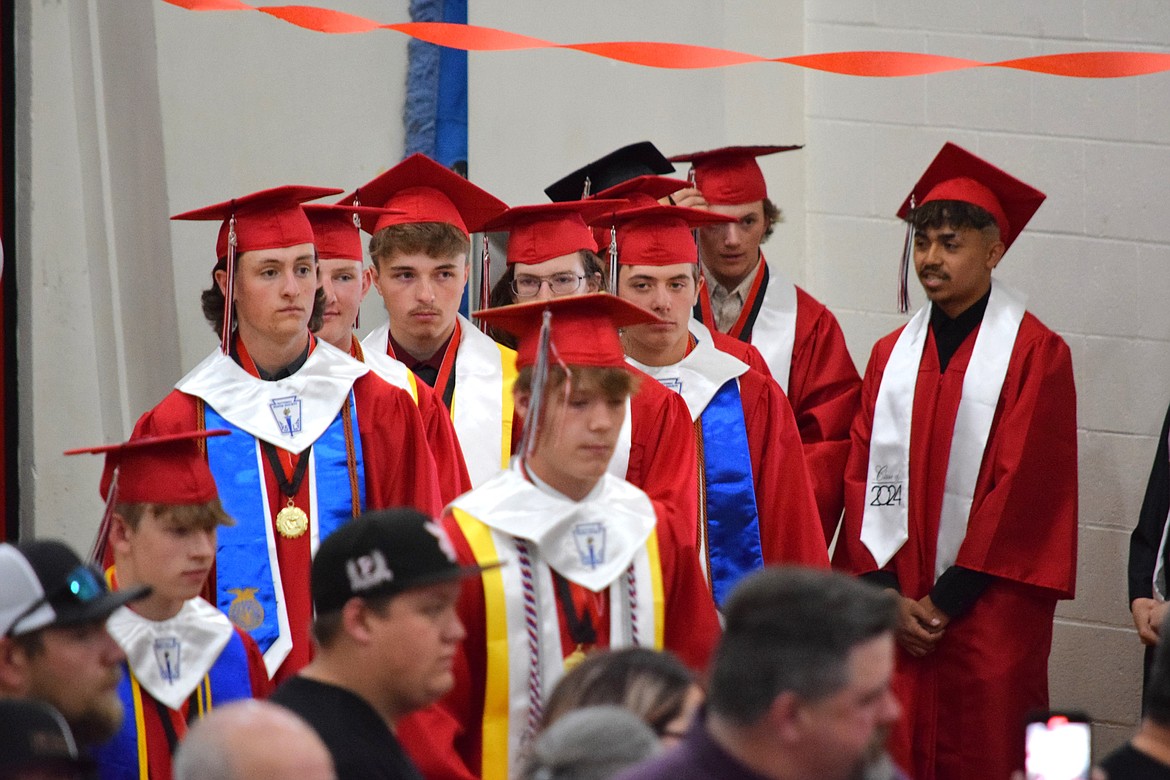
(550, 249)
(337, 234)
(317, 437)
(420, 268)
(586, 564)
(756, 504)
(754, 301)
(961, 488)
(183, 656)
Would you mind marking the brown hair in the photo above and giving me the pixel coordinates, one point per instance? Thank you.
(211, 300)
(434, 239)
(614, 383)
(773, 214)
(202, 517)
(651, 684)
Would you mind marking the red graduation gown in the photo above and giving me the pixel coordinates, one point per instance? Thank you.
(449, 463)
(399, 471)
(823, 390)
(662, 455)
(445, 739)
(790, 528)
(965, 703)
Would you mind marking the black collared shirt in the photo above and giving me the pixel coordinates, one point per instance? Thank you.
(949, 333)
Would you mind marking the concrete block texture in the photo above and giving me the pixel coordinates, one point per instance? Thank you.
(1101, 584)
(1098, 670)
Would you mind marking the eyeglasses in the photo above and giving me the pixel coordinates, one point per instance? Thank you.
(558, 284)
(83, 585)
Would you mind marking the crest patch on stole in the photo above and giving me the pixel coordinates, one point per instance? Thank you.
(287, 413)
(166, 653)
(246, 611)
(590, 539)
(672, 383)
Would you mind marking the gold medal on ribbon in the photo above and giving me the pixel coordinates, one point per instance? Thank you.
(292, 521)
(574, 658)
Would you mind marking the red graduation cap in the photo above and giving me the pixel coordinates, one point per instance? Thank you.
(335, 229)
(269, 219)
(660, 235)
(168, 469)
(730, 175)
(644, 190)
(956, 174)
(421, 190)
(544, 231)
(583, 329)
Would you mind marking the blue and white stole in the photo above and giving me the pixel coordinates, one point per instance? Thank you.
(292, 414)
(707, 379)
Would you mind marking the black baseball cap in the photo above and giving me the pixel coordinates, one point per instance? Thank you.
(383, 553)
(34, 736)
(44, 583)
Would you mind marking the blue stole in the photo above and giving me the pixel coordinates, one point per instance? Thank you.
(733, 521)
(230, 680)
(243, 567)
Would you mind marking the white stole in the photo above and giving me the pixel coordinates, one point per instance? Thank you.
(477, 406)
(699, 375)
(774, 331)
(885, 523)
(619, 463)
(170, 657)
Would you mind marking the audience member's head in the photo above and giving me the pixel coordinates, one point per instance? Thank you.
(36, 744)
(592, 743)
(384, 589)
(252, 740)
(653, 685)
(53, 641)
(801, 678)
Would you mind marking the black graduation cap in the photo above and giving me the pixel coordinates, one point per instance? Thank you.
(640, 159)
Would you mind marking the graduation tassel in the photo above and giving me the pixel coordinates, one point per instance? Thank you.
(539, 377)
(357, 225)
(485, 277)
(225, 338)
(907, 257)
(97, 551)
(613, 260)
(585, 189)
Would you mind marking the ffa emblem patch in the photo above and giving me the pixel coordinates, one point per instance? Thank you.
(245, 611)
(166, 653)
(590, 539)
(287, 412)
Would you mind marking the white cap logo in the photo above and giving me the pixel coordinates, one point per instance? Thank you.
(368, 571)
(440, 535)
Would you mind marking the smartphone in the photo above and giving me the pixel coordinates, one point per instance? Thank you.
(1057, 746)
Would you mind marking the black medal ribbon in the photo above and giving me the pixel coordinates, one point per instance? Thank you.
(287, 488)
(581, 628)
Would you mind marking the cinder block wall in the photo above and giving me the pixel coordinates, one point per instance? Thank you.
(1095, 261)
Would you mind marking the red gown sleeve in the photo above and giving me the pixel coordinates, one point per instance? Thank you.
(452, 469)
(444, 739)
(399, 468)
(824, 391)
(662, 455)
(1023, 523)
(790, 526)
(690, 624)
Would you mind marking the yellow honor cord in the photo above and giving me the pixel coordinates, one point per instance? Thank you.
(139, 727)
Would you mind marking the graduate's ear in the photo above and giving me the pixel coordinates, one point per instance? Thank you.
(221, 281)
(995, 254)
(521, 399)
(120, 533)
(367, 280)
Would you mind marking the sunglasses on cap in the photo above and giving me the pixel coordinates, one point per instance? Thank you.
(82, 585)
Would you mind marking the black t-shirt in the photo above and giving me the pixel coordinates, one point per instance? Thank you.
(1125, 763)
(362, 745)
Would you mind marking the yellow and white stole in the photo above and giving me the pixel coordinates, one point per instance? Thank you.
(532, 532)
